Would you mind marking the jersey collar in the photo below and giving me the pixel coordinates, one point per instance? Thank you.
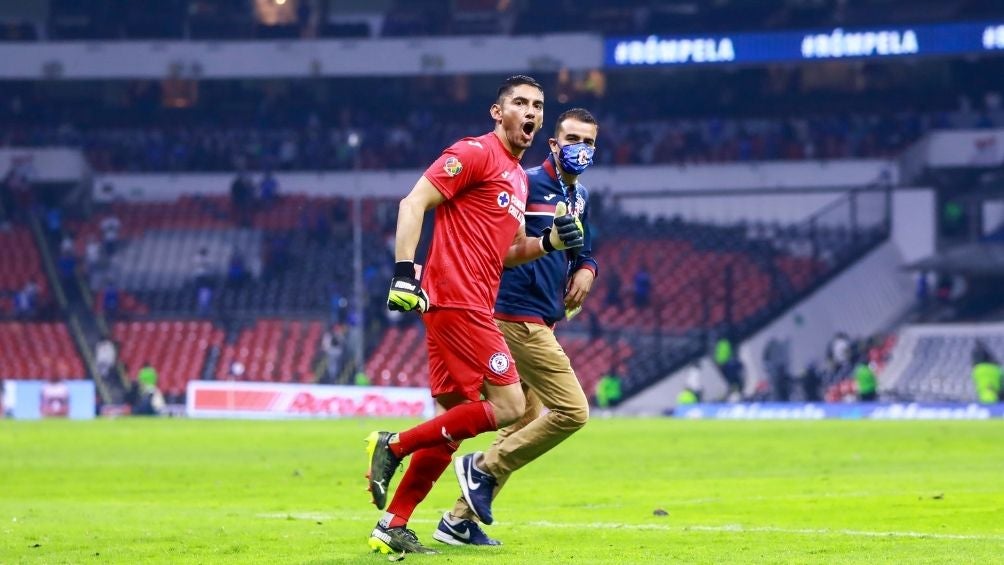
(548, 166)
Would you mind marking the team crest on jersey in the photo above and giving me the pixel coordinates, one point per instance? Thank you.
(499, 363)
(503, 199)
(453, 166)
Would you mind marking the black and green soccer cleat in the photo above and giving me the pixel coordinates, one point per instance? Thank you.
(396, 540)
(383, 463)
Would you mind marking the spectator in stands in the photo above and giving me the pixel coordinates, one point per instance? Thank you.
(26, 301)
(110, 300)
(734, 374)
(613, 297)
(93, 258)
(54, 223)
(642, 287)
(986, 375)
(321, 230)
(338, 304)
(268, 189)
(202, 268)
(776, 359)
(237, 271)
(332, 343)
(811, 384)
(923, 292)
(66, 264)
(203, 300)
(105, 356)
(840, 357)
(242, 198)
(67, 245)
(7, 202)
(110, 226)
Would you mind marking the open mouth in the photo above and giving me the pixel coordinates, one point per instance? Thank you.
(529, 128)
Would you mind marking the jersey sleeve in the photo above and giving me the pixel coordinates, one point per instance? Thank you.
(460, 166)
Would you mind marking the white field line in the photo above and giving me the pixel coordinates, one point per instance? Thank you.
(728, 528)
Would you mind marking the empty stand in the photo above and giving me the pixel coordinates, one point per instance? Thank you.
(176, 349)
(273, 350)
(38, 351)
(19, 264)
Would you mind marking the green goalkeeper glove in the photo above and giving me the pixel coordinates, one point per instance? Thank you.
(406, 292)
(566, 231)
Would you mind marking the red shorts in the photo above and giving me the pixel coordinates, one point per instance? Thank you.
(466, 349)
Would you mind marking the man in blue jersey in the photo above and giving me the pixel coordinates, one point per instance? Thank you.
(532, 298)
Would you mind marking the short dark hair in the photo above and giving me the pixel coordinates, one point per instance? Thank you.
(580, 114)
(512, 82)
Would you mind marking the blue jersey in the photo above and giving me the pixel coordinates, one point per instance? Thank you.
(535, 291)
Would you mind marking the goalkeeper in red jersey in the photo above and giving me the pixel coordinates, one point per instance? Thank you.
(479, 192)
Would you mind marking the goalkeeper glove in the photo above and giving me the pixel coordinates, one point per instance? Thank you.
(565, 233)
(406, 292)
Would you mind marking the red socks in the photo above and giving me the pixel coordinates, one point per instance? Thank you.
(425, 468)
(455, 425)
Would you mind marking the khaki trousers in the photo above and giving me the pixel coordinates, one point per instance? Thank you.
(548, 381)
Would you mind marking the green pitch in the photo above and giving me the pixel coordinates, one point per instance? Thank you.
(621, 491)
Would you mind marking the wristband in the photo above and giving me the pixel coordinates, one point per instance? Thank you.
(545, 241)
(404, 269)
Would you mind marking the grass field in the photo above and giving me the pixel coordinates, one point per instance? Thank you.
(188, 491)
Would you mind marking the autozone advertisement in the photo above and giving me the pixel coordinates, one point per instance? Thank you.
(219, 399)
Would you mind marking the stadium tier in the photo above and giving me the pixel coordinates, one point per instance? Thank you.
(275, 257)
(935, 362)
(23, 285)
(273, 350)
(38, 350)
(173, 147)
(178, 350)
(106, 19)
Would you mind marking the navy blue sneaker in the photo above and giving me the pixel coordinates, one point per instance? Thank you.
(464, 532)
(476, 485)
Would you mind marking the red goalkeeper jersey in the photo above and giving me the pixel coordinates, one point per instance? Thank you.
(486, 192)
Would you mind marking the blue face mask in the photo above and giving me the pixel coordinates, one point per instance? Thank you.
(576, 157)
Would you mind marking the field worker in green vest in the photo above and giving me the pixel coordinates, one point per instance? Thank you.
(867, 383)
(986, 375)
(608, 390)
